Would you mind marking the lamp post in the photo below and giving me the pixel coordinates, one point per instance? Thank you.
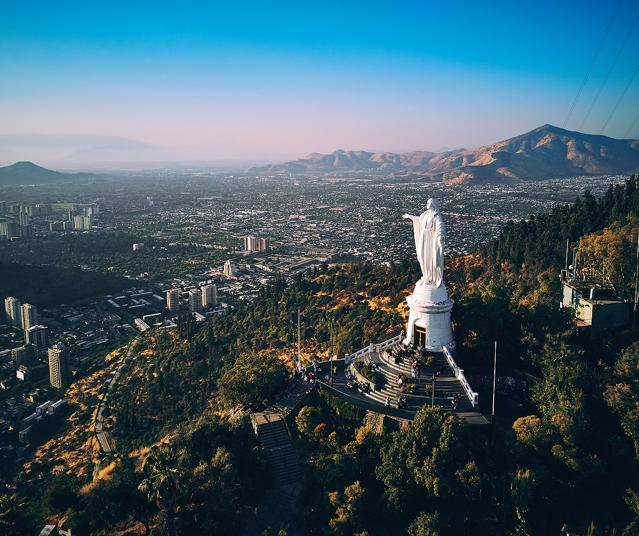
(299, 344)
(432, 392)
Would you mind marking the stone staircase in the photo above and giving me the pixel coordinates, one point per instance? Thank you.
(271, 429)
(273, 434)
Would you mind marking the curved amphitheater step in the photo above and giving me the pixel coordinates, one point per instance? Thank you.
(447, 387)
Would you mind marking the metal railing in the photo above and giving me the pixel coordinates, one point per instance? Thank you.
(459, 374)
(373, 348)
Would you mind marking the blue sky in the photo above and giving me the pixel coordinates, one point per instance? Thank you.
(269, 80)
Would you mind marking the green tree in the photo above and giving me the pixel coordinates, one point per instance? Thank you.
(14, 520)
(622, 395)
(60, 495)
(163, 482)
(253, 378)
(424, 525)
(347, 509)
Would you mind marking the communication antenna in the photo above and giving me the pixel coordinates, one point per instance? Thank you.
(566, 264)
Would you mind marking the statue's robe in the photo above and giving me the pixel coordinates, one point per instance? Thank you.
(429, 238)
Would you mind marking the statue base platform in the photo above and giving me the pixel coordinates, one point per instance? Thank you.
(429, 320)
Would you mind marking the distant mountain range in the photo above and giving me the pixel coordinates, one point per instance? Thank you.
(546, 152)
(30, 173)
(79, 150)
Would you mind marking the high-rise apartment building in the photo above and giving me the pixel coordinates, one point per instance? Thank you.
(82, 223)
(250, 243)
(9, 229)
(173, 299)
(195, 300)
(229, 269)
(29, 316)
(209, 296)
(59, 370)
(21, 355)
(13, 311)
(37, 336)
(24, 219)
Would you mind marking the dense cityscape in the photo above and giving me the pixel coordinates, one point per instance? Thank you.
(319, 269)
(202, 243)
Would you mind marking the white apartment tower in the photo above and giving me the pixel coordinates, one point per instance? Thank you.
(209, 296)
(250, 243)
(229, 270)
(195, 300)
(59, 370)
(13, 310)
(173, 299)
(29, 316)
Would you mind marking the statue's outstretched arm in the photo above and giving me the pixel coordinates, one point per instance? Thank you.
(409, 217)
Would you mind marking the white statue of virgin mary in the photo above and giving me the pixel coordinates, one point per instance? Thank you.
(429, 233)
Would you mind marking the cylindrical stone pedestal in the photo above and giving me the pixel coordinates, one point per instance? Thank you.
(429, 319)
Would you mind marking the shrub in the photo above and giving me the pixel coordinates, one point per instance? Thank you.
(253, 378)
(373, 376)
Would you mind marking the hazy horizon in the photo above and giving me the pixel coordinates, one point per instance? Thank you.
(254, 83)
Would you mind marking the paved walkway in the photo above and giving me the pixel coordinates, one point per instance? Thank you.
(104, 438)
(446, 385)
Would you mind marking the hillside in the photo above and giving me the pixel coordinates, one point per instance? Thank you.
(563, 450)
(30, 173)
(546, 152)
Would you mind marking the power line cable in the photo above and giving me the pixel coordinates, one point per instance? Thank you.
(623, 94)
(609, 72)
(631, 127)
(602, 40)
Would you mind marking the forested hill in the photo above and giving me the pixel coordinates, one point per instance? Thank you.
(539, 243)
(562, 453)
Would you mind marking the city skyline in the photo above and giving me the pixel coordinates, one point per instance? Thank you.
(251, 82)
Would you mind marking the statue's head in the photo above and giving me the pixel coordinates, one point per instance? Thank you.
(433, 204)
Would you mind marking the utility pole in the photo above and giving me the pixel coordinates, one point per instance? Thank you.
(299, 343)
(566, 263)
(634, 309)
(332, 356)
(494, 379)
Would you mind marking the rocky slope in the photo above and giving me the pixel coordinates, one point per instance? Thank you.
(546, 152)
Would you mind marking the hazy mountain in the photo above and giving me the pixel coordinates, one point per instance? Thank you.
(545, 152)
(65, 150)
(30, 173)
